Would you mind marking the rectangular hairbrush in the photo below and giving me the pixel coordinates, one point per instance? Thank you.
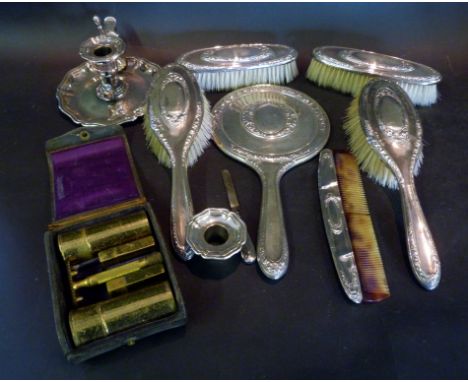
(349, 228)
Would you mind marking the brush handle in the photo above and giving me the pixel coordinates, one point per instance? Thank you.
(422, 252)
(272, 245)
(181, 209)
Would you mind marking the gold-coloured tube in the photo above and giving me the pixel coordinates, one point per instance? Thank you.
(99, 320)
(81, 244)
(121, 284)
(115, 253)
(70, 273)
(119, 251)
(118, 271)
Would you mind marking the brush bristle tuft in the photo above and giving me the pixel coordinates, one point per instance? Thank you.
(341, 80)
(368, 159)
(202, 140)
(352, 83)
(203, 137)
(422, 95)
(153, 143)
(233, 79)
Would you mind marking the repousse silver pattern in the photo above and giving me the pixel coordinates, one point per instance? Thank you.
(382, 65)
(77, 99)
(336, 228)
(270, 153)
(107, 89)
(237, 57)
(176, 124)
(385, 107)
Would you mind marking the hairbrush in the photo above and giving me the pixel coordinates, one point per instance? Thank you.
(221, 68)
(178, 128)
(348, 70)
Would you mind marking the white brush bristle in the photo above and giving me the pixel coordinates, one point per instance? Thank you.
(202, 140)
(203, 137)
(368, 159)
(233, 79)
(352, 82)
(422, 95)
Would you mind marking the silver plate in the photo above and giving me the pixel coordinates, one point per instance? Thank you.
(77, 97)
(271, 129)
(237, 57)
(363, 61)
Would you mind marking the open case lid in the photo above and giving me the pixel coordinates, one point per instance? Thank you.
(91, 169)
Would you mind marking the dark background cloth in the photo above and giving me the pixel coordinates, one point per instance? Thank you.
(242, 325)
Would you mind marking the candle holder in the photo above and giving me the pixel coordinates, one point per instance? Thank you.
(107, 88)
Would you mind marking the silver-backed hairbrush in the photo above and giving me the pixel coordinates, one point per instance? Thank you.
(394, 132)
(348, 70)
(221, 68)
(178, 128)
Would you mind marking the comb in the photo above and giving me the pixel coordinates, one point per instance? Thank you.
(349, 228)
(366, 250)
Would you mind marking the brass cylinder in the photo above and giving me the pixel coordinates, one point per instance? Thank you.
(81, 244)
(124, 249)
(102, 319)
(118, 271)
(121, 284)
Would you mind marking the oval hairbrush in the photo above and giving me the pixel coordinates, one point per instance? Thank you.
(394, 131)
(178, 128)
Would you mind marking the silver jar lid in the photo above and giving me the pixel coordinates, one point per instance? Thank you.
(367, 62)
(216, 233)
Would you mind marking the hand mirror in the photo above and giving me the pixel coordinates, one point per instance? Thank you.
(271, 129)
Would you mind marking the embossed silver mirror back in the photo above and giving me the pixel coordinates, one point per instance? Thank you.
(271, 129)
(363, 61)
(269, 123)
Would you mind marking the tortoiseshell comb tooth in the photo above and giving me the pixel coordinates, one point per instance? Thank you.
(366, 251)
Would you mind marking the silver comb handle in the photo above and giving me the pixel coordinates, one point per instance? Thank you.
(422, 252)
(272, 244)
(181, 209)
(248, 253)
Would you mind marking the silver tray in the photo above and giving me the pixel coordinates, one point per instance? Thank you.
(76, 94)
(237, 57)
(271, 129)
(363, 61)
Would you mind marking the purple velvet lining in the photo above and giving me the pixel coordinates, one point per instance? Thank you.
(91, 176)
